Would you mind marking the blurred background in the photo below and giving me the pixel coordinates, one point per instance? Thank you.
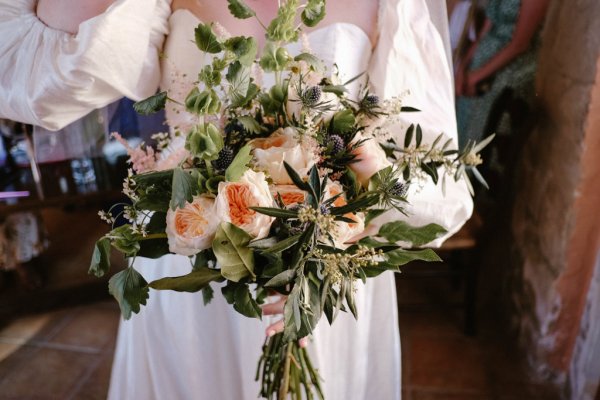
(513, 312)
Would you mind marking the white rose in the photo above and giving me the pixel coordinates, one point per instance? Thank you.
(283, 145)
(344, 231)
(290, 194)
(234, 200)
(192, 228)
(370, 159)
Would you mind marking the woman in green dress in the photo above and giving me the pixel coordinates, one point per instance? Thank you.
(503, 58)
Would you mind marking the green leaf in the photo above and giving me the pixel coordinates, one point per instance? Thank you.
(250, 124)
(276, 212)
(480, 146)
(338, 90)
(284, 244)
(401, 257)
(206, 40)
(418, 236)
(100, 263)
(153, 248)
(183, 189)
(191, 283)
(409, 135)
(244, 303)
(207, 295)
(420, 136)
(240, 10)
(313, 13)
(238, 77)
(245, 49)
(361, 203)
(409, 109)
(152, 104)
(231, 247)
(343, 121)
(130, 289)
(282, 279)
(239, 165)
(313, 61)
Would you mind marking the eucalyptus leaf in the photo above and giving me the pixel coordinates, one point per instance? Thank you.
(130, 289)
(152, 104)
(231, 247)
(100, 263)
(193, 282)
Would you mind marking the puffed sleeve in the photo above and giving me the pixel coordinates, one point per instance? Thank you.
(51, 78)
(411, 56)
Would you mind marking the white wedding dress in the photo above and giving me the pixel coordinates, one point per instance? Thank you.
(176, 348)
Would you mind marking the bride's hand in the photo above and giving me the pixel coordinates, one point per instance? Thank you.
(277, 309)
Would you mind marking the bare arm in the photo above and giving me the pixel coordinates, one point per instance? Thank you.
(66, 15)
(531, 16)
(464, 64)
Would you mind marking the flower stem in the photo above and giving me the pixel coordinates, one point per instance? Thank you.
(285, 384)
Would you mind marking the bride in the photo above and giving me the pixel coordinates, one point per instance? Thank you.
(70, 60)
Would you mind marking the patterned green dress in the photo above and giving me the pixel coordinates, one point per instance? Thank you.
(519, 75)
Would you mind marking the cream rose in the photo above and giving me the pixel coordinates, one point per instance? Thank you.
(290, 194)
(344, 231)
(234, 200)
(370, 159)
(192, 228)
(283, 145)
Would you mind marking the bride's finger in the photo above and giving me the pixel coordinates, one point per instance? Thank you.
(275, 328)
(274, 308)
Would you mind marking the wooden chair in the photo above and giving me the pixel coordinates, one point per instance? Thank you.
(459, 255)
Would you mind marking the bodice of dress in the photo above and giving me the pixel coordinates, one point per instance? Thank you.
(341, 44)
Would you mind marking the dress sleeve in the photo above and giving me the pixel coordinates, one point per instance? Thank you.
(51, 78)
(410, 60)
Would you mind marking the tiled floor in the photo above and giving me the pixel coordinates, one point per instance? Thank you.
(67, 354)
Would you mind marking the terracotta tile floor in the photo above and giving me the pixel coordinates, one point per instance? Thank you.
(67, 354)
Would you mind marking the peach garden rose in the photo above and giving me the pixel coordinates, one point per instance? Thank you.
(234, 200)
(192, 228)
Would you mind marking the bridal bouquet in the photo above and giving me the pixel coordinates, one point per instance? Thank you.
(269, 190)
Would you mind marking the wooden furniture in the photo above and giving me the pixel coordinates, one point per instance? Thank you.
(459, 255)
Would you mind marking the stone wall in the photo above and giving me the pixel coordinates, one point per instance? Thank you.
(555, 225)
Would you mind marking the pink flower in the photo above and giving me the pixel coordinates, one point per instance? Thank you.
(371, 159)
(142, 160)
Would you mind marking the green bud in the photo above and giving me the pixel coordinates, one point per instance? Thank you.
(202, 103)
(205, 142)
